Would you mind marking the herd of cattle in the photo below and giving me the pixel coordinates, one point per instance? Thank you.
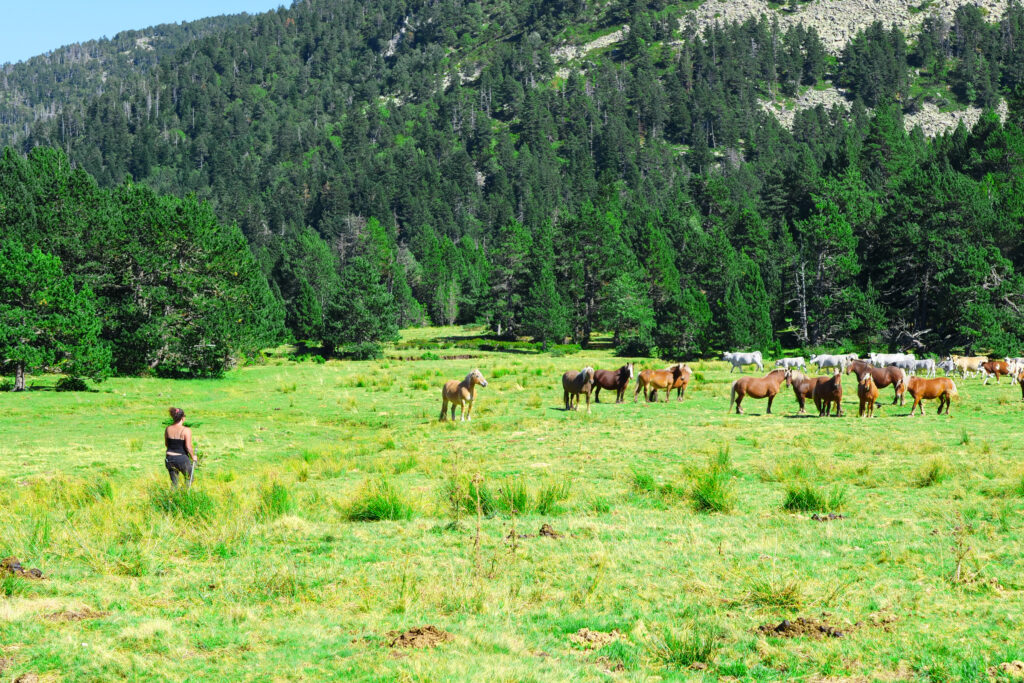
(903, 371)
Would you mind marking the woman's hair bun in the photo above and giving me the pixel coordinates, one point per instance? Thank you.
(176, 413)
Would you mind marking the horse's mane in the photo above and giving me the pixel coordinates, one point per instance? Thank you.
(796, 376)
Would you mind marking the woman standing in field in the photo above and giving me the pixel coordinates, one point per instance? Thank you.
(181, 457)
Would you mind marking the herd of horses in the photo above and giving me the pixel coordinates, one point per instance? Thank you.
(876, 372)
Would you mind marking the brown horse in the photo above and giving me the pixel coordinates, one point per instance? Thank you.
(576, 383)
(803, 388)
(652, 380)
(1020, 381)
(867, 392)
(828, 392)
(996, 368)
(680, 384)
(942, 388)
(461, 394)
(882, 377)
(612, 379)
(757, 387)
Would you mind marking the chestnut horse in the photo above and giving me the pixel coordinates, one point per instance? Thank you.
(803, 388)
(652, 380)
(828, 392)
(757, 387)
(867, 392)
(942, 388)
(461, 394)
(576, 383)
(680, 384)
(882, 377)
(612, 379)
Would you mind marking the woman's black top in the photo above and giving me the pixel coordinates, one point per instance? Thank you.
(176, 447)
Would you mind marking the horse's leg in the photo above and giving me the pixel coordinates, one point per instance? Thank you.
(588, 402)
(739, 399)
(645, 393)
(469, 411)
(771, 397)
(597, 394)
(444, 408)
(565, 398)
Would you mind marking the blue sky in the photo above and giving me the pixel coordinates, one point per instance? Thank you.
(31, 27)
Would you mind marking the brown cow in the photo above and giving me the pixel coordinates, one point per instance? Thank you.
(942, 388)
(828, 392)
(757, 387)
(998, 368)
(867, 392)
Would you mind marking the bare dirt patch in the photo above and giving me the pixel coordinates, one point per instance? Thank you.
(418, 637)
(75, 615)
(594, 640)
(1014, 669)
(801, 627)
(12, 566)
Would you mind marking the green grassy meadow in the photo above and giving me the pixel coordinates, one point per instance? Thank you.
(683, 528)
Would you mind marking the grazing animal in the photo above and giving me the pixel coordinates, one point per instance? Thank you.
(942, 388)
(612, 379)
(757, 387)
(925, 365)
(827, 392)
(790, 363)
(882, 377)
(1015, 365)
(906, 364)
(825, 360)
(803, 388)
(882, 359)
(968, 364)
(461, 394)
(947, 366)
(867, 393)
(738, 360)
(680, 384)
(576, 383)
(994, 368)
(1020, 381)
(652, 380)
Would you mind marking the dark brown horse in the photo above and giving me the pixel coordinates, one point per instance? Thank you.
(803, 388)
(882, 377)
(680, 384)
(828, 392)
(1020, 381)
(612, 379)
(652, 380)
(757, 387)
(576, 383)
(942, 388)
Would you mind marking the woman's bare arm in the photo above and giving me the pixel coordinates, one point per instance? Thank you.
(188, 444)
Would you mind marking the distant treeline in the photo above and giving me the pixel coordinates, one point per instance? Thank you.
(650, 195)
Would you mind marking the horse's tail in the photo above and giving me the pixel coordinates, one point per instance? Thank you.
(732, 394)
(953, 391)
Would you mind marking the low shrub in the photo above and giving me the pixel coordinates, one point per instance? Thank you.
(379, 501)
(69, 383)
(361, 351)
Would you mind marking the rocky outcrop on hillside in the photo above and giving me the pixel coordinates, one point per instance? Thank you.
(837, 21)
(568, 53)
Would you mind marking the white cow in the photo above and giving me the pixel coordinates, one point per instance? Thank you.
(947, 366)
(790, 363)
(739, 359)
(840, 361)
(925, 365)
(1015, 365)
(880, 360)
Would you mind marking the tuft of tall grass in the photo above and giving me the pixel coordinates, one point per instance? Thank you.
(194, 503)
(696, 644)
(513, 496)
(806, 497)
(771, 590)
(275, 500)
(378, 501)
(550, 495)
(713, 492)
(935, 471)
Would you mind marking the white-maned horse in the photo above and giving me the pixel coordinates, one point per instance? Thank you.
(790, 363)
(739, 359)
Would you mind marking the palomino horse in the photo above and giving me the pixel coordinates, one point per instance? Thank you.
(461, 394)
(652, 380)
(757, 387)
(882, 377)
(803, 388)
(942, 388)
(612, 379)
(576, 383)
(827, 392)
(867, 392)
(680, 384)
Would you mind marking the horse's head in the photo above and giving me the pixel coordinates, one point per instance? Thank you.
(588, 373)
(867, 381)
(476, 377)
(789, 376)
(629, 369)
